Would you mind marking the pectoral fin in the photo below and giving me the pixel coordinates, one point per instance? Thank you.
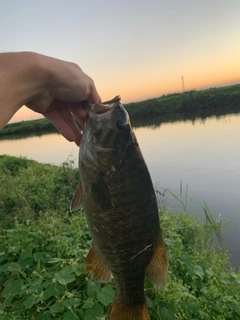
(157, 269)
(95, 267)
(77, 200)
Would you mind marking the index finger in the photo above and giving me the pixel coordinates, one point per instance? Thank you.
(65, 124)
(94, 97)
(79, 112)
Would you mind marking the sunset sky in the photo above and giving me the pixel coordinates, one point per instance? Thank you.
(135, 48)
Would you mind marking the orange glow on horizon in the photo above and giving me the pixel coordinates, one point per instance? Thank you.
(24, 114)
(156, 90)
(146, 88)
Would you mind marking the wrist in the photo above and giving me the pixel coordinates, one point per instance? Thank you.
(24, 76)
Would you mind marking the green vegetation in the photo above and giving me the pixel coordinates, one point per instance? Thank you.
(188, 102)
(31, 127)
(172, 107)
(42, 251)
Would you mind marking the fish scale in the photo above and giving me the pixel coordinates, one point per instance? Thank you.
(121, 210)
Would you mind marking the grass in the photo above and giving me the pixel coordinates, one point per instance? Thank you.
(172, 107)
(31, 127)
(43, 247)
(214, 225)
(188, 102)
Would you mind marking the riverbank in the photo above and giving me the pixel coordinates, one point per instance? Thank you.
(27, 128)
(42, 274)
(188, 102)
(172, 107)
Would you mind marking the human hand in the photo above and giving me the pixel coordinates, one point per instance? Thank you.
(52, 87)
(61, 96)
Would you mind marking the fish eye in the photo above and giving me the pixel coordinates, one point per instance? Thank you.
(120, 124)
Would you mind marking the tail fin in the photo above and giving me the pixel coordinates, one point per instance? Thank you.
(123, 312)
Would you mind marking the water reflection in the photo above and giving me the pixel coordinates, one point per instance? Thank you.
(200, 116)
(50, 148)
(24, 136)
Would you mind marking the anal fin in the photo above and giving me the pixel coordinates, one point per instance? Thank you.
(157, 269)
(95, 267)
(122, 312)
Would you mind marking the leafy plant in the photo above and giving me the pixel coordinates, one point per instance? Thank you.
(28, 188)
(42, 274)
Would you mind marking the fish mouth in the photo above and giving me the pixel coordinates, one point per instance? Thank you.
(111, 110)
(115, 99)
(106, 106)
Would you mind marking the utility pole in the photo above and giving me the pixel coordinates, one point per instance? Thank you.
(183, 87)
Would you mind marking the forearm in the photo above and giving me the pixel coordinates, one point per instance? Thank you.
(23, 77)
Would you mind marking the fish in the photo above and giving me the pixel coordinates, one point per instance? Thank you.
(121, 210)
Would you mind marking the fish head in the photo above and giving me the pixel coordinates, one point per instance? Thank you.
(106, 136)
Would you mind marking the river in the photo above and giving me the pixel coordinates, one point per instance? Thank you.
(202, 154)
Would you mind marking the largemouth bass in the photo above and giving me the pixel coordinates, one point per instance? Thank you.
(121, 210)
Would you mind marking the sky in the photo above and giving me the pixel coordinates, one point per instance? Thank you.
(136, 48)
